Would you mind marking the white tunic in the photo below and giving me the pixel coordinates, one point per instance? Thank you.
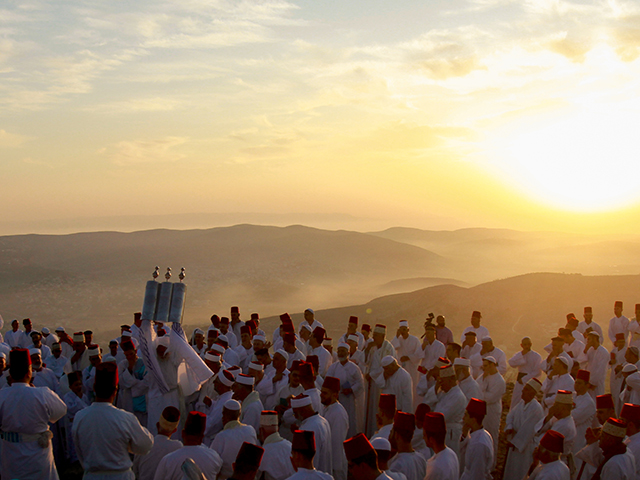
(481, 332)
(228, 442)
(59, 366)
(317, 424)
(469, 351)
(620, 467)
(374, 359)
(104, 435)
(584, 414)
(276, 461)
(145, 466)
(470, 388)
(398, 384)
(412, 464)
(551, 386)
(251, 410)
(477, 451)
(384, 432)
(452, 405)
(492, 388)
(597, 363)
(412, 348)
(550, 471)
(528, 366)
(13, 339)
(443, 465)
(214, 417)
(324, 359)
(565, 426)
(26, 410)
(499, 355)
(583, 325)
(170, 467)
(338, 420)
(268, 389)
(431, 353)
(306, 474)
(523, 420)
(350, 376)
(618, 325)
(633, 445)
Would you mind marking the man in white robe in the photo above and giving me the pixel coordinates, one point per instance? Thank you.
(547, 457)
(558, 379)
(363, 463)
(276, 462)
(444, 464)
(631, 415)
(250, 400)
(520, 430)
(588, 324)
(466, 382)
(616, 363)
(351, 387)
(338, 419)
(560, 420)
(475, 327)
(492, 388)
(618, 324)
(14, 336)
(104, 435)
(303, 454)
(374, 353)
(228, 442)
(145, 466)
(408, 351)
(618, 462)
(527, 361)
(470, 345)
(407, 460)
(352, 329)
(451, 403)
(476, 449)
(489, 350)
(396, 380)
(432, 349)
(584, 410)
(25, 414)
(597, 361)
(311, 421)
(274, 380)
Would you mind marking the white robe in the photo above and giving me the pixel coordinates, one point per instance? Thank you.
(104, 435)
(317, 424)
(228, 442)
(338, 420)
(597, 363)
(374, 367)
(523, 420)
(492, 388)
(306, 474)
(398, 384)
(480, 332)
(470, 388)
(28, 411)
(350, 376)
(618, 325)
(251, 410)
(431, 352)
(452, 405)
(208, 460)
(443, 465)
(551, 386)
(565, 426)
(145, 466)
(528, 366)
(276, 461)
(324, 359)
(412, 348)
(551, 471)
(477, 452)
(412, 464)
(633, 445)
(584, 414)
(620, 467)
(268, 389)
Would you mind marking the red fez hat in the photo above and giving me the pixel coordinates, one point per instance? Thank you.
(250, 455)
(618, 304)
(295, 365)
(587, 310)
(285, 318)
(332, 383)
(583, 375)
(252, 325)
(319, 333)
(434, 423)
(245, 329)
(107, 374)
(235, 309)
(212, 333)
(387, 401)
(353, 319)
(357, 446)
(404, 421)
(287, 328)
(604, 401)
(553, 441)
(570, 316)
(255, 316)
(289, 338)
(73, 377)
(314, 361)
(224, 320)
(305, 369)
(476, 314)
(631, 413)
(477, 407)
(303, 440)
(366, 327)
(195, 423)
(421, 411)
(20, 357)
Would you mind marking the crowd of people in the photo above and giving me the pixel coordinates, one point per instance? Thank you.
(230, 402)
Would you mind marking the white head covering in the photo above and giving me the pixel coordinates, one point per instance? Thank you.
(303, 401)
(464, 362)
(211, 357)
(403, 323)
(284, 354)
(381, 443)
(232, 405)
(388, 360)
(490, 358)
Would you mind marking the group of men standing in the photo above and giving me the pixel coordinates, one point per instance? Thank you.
(229, 402)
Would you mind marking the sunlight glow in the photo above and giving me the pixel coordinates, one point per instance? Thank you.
(587, 161)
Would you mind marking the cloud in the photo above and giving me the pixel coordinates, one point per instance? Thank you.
(129, 152)
(12, 140)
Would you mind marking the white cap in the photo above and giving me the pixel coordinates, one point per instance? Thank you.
(447, 371)
(126, 333)
(284, 354)
(463, 362)
(232, 405)
(223, 337)
(486, 339)
(45, 330)
(593, 332)
(327, 341)
(198, 331)
(301, 401)
(217, 348)
(535, 384)
(564, 398)
(614, 430)
(307, 326)
(94, 351)
(564, 360)
(211, 357)
(344, 345)
(224, 380)
(243, 379)
(109, 358)
(381, 443)
(268, 418)
(256, 366)
(353, 338)
(629, 368)
(259, 337)
(60, 329)
(388, 360)
(403, 323)
(490, 358)
(34, 351)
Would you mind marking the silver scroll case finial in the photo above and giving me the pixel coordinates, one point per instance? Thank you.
(168, 274)
(156, 272)
(182, 274)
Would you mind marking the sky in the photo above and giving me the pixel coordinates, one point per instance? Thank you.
(434, 114)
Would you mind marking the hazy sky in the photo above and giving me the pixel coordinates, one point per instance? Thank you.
(436, 114)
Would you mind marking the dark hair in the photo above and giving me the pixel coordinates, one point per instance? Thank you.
(104, 389)
(455, 347)
(18, 372)
(405, 435)
(370, 458)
